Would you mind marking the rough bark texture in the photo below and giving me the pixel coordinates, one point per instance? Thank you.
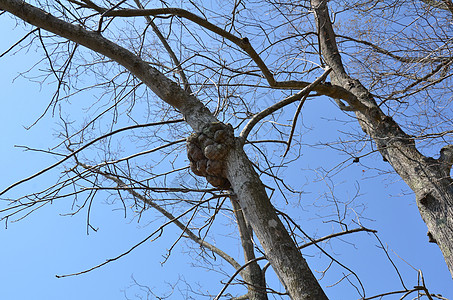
(280, 249)
(429, 178)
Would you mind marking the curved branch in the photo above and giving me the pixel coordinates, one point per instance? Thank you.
(243, 43)
(270, 110)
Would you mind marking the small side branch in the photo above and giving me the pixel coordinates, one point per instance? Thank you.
(167, 47)
(243, 43)
(270, 110)
(171, 219)
(293, 126)
(82, 148)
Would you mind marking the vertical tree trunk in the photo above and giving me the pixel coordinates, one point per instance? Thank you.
(429, 178)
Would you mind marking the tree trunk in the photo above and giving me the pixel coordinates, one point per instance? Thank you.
(429, 178)
(280, 249)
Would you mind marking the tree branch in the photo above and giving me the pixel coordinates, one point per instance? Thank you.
(270, 110)
(254, 275)
(396, 57)
(195, 113)
(243, 43)
(172, 219)
(167, 47)
(72, 154)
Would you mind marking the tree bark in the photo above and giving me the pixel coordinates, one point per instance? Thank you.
(429, 178)
(280, 249)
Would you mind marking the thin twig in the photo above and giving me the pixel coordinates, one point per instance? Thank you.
(293, 125)
(136, 245)
(84, 147)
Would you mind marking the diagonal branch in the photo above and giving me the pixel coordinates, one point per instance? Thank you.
(72, 154)
(243, 43)
(175, 220)
(392, 55)
(167, 47)
(293, 98)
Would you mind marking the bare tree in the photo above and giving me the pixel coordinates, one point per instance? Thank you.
(263, 60)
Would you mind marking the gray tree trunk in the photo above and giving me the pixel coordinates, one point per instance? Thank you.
(429, 178)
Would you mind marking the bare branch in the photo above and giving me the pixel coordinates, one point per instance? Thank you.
(243, 43)
(397, 57)
(169, 50)
(158, 230)
(261, 115)
(84, 147)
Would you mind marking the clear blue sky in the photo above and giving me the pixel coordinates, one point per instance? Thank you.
(44, 244)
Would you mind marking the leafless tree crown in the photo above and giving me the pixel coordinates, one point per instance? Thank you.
(190, 111)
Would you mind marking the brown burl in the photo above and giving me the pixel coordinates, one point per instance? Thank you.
(207, 150)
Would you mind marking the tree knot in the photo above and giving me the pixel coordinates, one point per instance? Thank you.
(431, 238)
(207, 150)
(426, 199)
